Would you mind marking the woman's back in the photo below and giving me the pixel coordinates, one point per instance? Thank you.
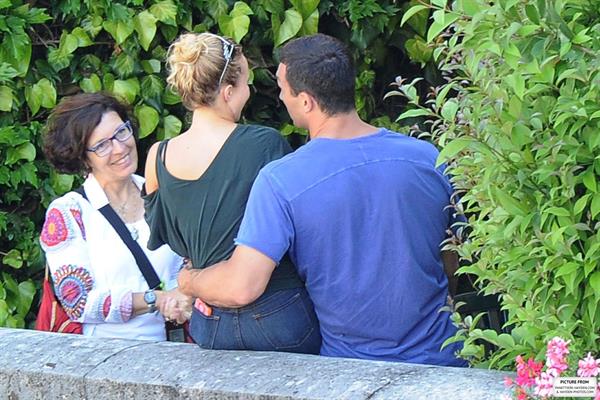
(200, 217)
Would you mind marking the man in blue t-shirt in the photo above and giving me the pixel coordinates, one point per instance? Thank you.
(362, 211)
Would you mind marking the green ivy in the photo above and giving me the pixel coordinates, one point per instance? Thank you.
(56, 48)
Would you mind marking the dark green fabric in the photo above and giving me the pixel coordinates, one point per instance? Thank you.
(200, 218)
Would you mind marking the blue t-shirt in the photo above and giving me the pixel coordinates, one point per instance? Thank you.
(363, 219)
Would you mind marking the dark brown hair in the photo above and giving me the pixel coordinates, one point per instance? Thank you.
(70, 125)
(321, 66)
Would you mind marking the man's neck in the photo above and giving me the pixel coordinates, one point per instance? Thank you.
(340, 126)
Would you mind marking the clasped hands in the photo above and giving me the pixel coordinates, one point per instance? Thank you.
(175, 306)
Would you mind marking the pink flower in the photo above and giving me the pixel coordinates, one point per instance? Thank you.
(544, 384)
(527, 372)
(597, 393)
(556, 354)
(508, 382)
(588, 367)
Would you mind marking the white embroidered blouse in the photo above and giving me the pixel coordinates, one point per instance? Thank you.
(93, 271)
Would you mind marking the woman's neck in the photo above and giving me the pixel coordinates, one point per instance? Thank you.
(118, 191)
(210, 117)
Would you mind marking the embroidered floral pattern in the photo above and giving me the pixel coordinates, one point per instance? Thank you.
(55, 230)
(106, 306)
(72, 285)
(77, 216)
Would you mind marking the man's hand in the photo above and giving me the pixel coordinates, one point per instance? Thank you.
(231, 283)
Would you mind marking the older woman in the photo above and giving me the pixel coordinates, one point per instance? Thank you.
(95, 275)
(198, 185)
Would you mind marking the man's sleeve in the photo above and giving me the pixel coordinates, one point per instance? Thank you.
(267, 224)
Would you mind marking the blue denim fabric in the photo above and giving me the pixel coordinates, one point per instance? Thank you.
(283, 320)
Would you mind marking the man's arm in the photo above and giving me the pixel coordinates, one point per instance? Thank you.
(450, 260)
(232, 283)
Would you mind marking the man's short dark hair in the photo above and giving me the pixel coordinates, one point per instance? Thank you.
(71, 124)
(321, 66)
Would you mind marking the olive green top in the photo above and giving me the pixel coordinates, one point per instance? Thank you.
(200, 218)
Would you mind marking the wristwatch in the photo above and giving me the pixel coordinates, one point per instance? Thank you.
(150, 299)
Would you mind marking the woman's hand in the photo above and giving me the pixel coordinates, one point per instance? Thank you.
(175, 306)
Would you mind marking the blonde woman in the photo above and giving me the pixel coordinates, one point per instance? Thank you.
(198, 185)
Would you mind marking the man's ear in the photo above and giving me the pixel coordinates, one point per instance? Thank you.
(308, 102)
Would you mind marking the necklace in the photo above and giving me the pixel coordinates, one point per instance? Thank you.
(124, 209)
(133, 231)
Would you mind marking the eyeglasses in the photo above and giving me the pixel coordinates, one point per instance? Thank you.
(228, 48)
(104, 147)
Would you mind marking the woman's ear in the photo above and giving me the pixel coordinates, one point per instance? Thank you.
(227, 92)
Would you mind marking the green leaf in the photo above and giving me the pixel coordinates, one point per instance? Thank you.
(509, 203)
(128, 89)
(595, 207)
(152, 87)
(148, 119)
(449, 110)
(595, 283)
(48, 99)
(581, 203)
(414, 113)
(124, 65)
(410, 12)
(119, 30)
(441, 21)
(7, 72)
(26, 294)
(310, 26)
(589, 179)
(61, 183)
(16, 50)
(506, 341)
(170, 97)
(237, 23)
(274, 6)
(145, 25)
(13, 258)
(165, 11)
(453, 148)
(91, 84)
(305, 7)
(6, 98)
(558, 211)
(83, 40)
(418, 50)
(240, 8)
(172, 126)
(289, 28)
(33, 96)
(151, 66)
(68, 43)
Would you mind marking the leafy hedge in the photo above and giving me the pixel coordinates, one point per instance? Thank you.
(521, 132)
(53, 48)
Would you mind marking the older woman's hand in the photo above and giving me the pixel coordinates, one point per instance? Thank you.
(175, 306)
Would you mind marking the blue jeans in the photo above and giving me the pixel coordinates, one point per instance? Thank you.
(283, 320)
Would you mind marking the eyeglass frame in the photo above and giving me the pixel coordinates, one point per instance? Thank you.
(127, 125)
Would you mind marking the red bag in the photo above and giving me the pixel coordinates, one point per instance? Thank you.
(51, 316)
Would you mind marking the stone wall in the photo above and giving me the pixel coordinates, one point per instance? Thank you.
(39, 365)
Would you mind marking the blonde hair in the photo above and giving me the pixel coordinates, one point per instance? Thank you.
(196, 62)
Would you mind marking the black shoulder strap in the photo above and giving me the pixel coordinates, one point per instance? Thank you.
(141, 259)
(81, 191)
